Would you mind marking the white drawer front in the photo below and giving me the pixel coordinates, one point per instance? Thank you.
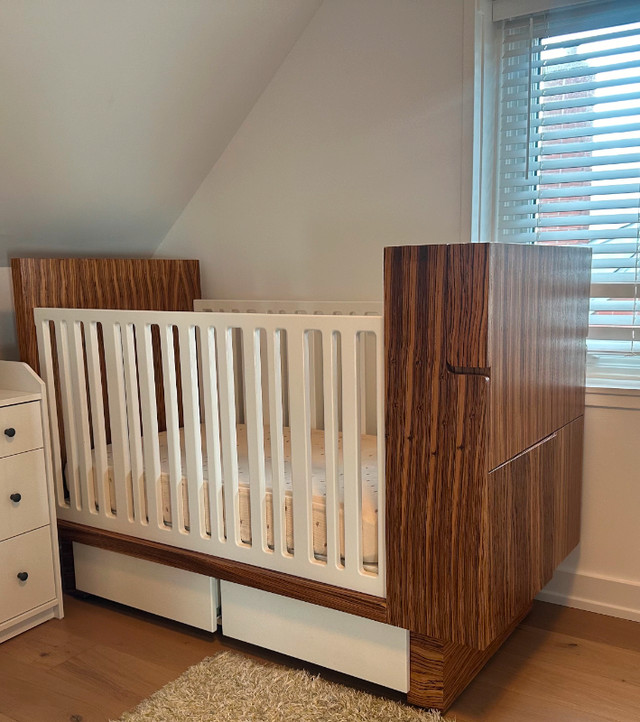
(31, 554)
(23, 493)
(20, 428)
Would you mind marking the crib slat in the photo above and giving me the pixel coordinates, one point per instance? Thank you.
(150, 442)
(228, 432)
(73, 486)
(274, 363)
(43, 333)
(191, 419)
(299, 409)
(351, 453)
(212, 429)
(332, 503)
(81, 413)
(118, 417)
(173, 427)
(97, 418)
(133, 418)
(255, 437)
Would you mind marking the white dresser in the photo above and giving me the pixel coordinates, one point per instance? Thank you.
(30, 588)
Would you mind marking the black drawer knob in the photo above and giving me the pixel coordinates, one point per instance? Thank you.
(16, 497)
(23, 576)
(10, 432)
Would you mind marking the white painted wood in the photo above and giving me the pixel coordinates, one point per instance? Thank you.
(118, 419)
(255, 436)
(226, 387)
(170, 387)
(23, 474)
(172, 593)
(28, 620)
(212, 430)
(94, 374)
(219, 385)
(330, 308)
(29, 553)
(28, 533)
(349, 644)
(17, 376)
(81, 412)
(330, 369)
(300, 417)
(148, 404)
(351, 453)
(134, 423)
(25, 420)
(191, 421)
(45, 355)
(276, 420)
(66, 401)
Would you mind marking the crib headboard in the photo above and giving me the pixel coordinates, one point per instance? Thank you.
(131, 283)
(125, 283)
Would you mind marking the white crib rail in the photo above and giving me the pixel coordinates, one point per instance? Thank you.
(92, 355)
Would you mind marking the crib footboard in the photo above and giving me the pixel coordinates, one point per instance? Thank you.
(485, 359)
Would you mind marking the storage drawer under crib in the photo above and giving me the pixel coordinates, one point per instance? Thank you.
(20, 428)
(176, 594)
(23, 494)
(343, 642)
(26, 573)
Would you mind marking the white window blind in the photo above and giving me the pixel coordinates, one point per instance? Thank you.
(569, 158)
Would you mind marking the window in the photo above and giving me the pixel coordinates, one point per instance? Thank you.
(569, 159)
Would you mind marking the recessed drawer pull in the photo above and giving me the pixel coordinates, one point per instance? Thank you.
(16, 498)
(10, 432)
(23, 576)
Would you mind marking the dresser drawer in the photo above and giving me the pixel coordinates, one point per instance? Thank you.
(20, 428)
(28, 553)
(23, 493)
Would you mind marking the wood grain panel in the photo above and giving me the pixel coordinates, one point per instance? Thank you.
(538, 324)
(104, 283)
(138, 284)
(439, 671)
(533, 519)
(435, 465)
(344, 600)
(466, 329)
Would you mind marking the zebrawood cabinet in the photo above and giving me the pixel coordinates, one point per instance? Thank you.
(30, 590)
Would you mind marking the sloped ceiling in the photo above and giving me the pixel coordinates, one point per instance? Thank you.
(112, 112)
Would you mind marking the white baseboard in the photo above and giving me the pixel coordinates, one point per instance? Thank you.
(604, 595)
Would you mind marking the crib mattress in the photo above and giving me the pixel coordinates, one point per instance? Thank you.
(318, 482)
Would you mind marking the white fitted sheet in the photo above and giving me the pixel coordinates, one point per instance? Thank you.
(318, 481)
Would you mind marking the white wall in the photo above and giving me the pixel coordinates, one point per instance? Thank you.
(113, 112)
(358, 142)
(603, 573)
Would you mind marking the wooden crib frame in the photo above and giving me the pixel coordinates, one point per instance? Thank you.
(484, 377)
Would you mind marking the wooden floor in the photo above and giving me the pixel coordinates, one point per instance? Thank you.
(560, 664)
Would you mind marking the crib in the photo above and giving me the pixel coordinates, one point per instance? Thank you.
(377, 488)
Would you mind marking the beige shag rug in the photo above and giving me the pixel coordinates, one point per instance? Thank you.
(233, 688)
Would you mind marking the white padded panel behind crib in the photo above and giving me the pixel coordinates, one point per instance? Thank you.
(172, 593)
(349, 644)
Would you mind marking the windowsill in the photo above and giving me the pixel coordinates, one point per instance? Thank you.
(612, 395)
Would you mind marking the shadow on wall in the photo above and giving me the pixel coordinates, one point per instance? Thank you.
(8, 337)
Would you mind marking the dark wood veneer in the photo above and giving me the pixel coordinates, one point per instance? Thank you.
(485, 355)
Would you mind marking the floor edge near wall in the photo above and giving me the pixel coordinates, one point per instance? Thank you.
(603, 595)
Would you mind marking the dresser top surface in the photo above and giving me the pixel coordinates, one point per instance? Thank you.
(9, 397)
